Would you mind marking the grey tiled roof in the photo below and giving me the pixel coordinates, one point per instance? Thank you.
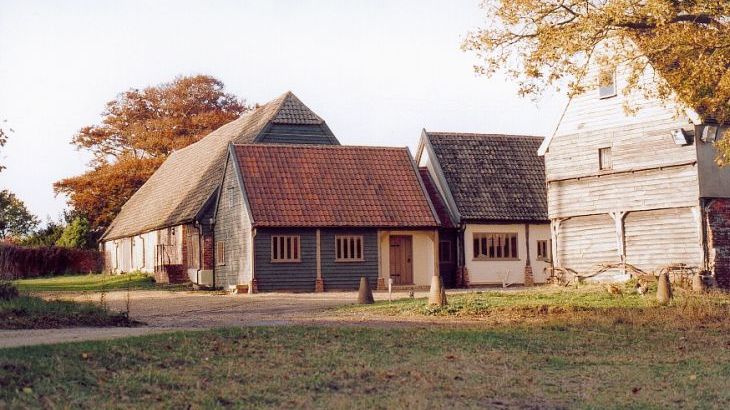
(493, 177)
(177, 191)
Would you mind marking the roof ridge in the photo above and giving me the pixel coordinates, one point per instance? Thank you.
(318, 146)
(479, 134)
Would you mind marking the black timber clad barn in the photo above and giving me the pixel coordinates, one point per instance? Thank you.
(166, 227)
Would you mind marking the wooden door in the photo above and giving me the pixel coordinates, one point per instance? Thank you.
(401, 260)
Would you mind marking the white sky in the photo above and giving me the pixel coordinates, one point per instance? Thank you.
(377, 71)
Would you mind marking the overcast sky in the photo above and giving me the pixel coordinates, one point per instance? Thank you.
(377, 71)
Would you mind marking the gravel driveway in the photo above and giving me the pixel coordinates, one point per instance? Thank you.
(166, 311)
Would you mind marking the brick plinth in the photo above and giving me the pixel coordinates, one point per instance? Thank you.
(171, 274)
(319, 285)
(718, 236)
(381, 284)
(462, 277)
(529, 277)
(208, 252)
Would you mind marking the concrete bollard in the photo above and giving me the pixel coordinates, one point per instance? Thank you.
(664, 289)
(437, 296)
(365, 294)
(698, 285)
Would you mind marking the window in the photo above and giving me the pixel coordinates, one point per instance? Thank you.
(607, 83)
(285, 248)
(231, 197)
(495, 246)
(220, 253)
(543, 250)
(605, 159)
(445, 251)
(348, 249)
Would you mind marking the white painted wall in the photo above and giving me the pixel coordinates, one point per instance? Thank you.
(509, 271)
(132, 253)
(424, 256)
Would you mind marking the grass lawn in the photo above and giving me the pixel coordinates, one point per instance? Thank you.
(546, 300)
(581, 349)
(27, 312)
(543, 366)
(82, 283)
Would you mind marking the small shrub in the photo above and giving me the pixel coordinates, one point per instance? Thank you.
(8, 291)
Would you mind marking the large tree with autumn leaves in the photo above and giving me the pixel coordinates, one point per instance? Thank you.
(138, 131)
(548, 43)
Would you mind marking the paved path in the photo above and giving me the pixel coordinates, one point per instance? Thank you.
(166, 311)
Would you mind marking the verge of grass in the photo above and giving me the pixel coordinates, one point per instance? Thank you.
(542, 301)
(85, 283)
(28, 312)
(557, 364)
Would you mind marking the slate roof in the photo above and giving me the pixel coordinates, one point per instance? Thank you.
(491, 177)
(333, 186)
(177, 191)
(439, 204)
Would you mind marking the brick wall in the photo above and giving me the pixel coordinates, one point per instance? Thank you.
(718, 237)
(208, 252)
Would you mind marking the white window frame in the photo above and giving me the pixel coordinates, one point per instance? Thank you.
(286, 249)
(605, 162)
(353, 251)
(492, 246)
(544, 255)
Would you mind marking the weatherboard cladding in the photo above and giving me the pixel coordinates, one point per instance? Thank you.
(301, 276)
(437, 200)
(492, 177)
(177, 191)
(332, 186)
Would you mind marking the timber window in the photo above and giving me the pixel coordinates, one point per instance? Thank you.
(543, 250)
(349, 249)
(607, 83)
(495, 246)
(231, 197)
(220, 253)
(605, 159)
(445, 251)
(285, 248)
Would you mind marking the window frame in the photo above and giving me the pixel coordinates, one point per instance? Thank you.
(602, 166)
(484, 244)
(220, 247)
(547, 257)
(295, 251)
(613, 86)
(358, 246)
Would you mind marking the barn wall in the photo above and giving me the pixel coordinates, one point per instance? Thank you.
(233, 228)
(655, 239)
(718, 225)
(346, 275)
(295, 276)
(586, 241)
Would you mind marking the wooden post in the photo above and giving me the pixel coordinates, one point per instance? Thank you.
(319, 283)
(555, 234)
(529, 279)
(436, 256)
(382, 277)
(618, 219)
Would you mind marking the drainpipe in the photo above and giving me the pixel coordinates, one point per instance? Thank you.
(144, 251)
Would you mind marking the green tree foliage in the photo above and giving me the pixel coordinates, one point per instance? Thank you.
(46, 236)
(76, 234)
(15, 219)
(549, 43)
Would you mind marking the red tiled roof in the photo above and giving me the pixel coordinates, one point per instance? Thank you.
(333, 186)
(436, 199)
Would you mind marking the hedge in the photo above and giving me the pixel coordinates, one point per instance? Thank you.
(17, 262)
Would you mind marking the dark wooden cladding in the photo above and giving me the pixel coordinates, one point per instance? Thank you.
(301, 276)
(297, 134)
(346, 275)
(286, 276)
